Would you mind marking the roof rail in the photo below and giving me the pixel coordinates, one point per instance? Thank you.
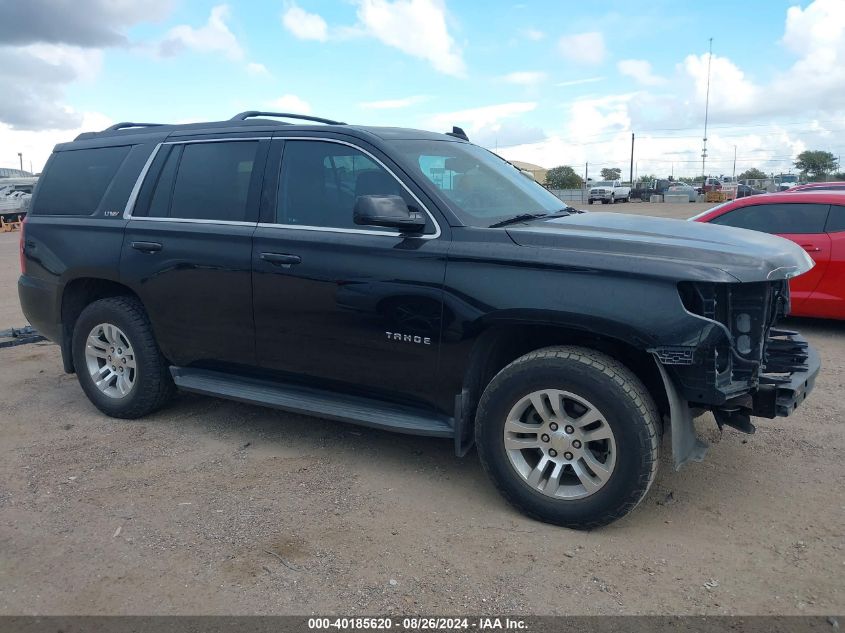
(128, 124)
(243, 116)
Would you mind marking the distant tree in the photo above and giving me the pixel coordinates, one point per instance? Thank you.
(752, 174)
(611, 173)
(563, 177)
(815, 163)
(840, 175)
(647, 178)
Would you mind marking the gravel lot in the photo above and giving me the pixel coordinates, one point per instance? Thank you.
(212, 507)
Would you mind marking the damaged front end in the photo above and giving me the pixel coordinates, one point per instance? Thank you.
(741, 366)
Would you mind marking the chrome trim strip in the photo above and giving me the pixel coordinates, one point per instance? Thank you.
(219, 140)
(194, 221)
(133, 196)
(329, 229)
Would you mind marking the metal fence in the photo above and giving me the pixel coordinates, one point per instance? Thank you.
(570, 195)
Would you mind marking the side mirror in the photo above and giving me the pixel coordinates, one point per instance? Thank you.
(389, 211)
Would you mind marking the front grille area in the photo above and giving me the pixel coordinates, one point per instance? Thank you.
(748, 346)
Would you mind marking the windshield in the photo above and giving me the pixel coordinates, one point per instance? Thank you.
(480, 187)
(604, 183)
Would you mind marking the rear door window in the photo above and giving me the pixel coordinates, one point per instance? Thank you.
(75, 181)
(836, 219)
(212, 181)
(777, 218)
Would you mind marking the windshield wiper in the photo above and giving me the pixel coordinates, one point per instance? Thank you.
(526, 217)
(522, 217)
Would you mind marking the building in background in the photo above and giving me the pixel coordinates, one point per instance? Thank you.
(537, 172)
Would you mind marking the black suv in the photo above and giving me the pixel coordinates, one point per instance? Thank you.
(409, 281)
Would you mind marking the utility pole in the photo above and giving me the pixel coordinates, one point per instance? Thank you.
(20, 157)
(586, 178)
(632, 159)
(734, 174)
(706, 113)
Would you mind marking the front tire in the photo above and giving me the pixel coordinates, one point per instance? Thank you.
(117, 360)
(569, 436)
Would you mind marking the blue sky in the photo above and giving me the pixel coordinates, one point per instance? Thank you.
(546, 82)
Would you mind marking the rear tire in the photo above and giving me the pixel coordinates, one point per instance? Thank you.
(117, 360)
(597, 397)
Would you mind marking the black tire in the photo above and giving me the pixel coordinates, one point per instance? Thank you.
(153, 385)
(589, 201)
(617, 393)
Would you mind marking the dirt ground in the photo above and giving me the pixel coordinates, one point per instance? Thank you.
(213, 507)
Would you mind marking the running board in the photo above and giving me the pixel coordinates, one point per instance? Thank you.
(314, 402)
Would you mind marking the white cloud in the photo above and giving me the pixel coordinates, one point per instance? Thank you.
(292, 104)
(640, 70)
(525, 78)
(33, 79)
(579, 82)
(257, 70)
(418, 28)
(415, 27)
(305, 25)
(392, 104)
(769, 119)
(583, 48)
(491, 125)
(36, 146)
(534, 35)
(214, 37)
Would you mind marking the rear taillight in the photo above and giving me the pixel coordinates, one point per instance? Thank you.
(22, 244)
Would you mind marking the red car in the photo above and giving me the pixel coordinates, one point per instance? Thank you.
(818, 186)
(813, 219)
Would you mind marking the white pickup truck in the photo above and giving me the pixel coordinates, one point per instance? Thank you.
(609, 191)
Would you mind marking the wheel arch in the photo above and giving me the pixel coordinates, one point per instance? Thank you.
(502, 343)
(76, 295)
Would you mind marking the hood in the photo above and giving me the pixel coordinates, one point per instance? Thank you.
(664, 247)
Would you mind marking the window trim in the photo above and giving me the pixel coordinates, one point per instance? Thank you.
(136, 189)
(329, 229)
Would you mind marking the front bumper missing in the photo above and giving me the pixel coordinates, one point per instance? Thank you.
(789, 376)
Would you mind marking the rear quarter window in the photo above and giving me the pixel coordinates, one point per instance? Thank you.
(75, 181)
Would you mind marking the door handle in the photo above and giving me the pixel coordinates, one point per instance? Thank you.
(810, 248)
(281, 259)
(146, 247)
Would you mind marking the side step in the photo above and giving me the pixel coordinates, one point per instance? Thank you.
(316, 402)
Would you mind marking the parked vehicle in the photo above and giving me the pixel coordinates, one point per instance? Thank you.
(14, 196)
(815, 220)
(683, 189)
(743, 191)
(819, 186)
(609, 192)
(408, 281)
(644, 190)
(711, 184)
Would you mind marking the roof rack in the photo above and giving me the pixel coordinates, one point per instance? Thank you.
(128, 124)
(243, 116)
